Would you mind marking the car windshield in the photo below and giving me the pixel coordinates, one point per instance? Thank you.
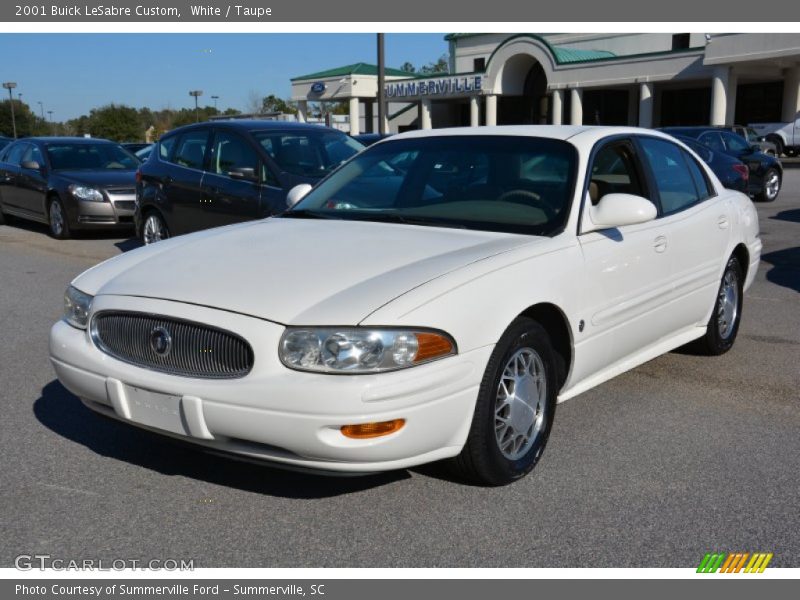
(307, 153)
(493, 183)
(90, 157)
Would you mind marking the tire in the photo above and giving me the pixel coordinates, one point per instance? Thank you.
(154, 228)
(723, 326)
(2, 217)
(57, 219)
(770, 186)
(496, 453)
(778, 143)
(790, 152)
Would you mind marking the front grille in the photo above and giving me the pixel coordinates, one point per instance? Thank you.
(125, 204)
(121, 191)
(186, 348)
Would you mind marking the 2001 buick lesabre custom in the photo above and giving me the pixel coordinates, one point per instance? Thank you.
(432, 298)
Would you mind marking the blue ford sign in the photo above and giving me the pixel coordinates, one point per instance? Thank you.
(445, 86)
(318, 87)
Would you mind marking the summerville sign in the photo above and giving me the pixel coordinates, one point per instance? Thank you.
(444, 86)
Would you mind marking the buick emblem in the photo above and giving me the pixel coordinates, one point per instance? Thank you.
(160, 341)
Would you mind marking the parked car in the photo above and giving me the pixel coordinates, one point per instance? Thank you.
(134, 147)
(785, 136)
(224, 172)
(68, 183)
(5, 141)
(731, 172)
(367, 139)
(514, 268)
(766, 172)
(753, 138)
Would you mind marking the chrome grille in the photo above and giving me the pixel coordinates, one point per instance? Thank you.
(193, 349)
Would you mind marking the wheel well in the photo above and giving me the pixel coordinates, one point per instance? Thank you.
(557, 326)
(743, 256)
(51, 195)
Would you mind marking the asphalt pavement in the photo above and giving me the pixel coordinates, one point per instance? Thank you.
(681, 456)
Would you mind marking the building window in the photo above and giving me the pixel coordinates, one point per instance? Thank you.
(479, 64)
(680, 41)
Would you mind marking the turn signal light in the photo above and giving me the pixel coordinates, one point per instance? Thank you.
(372, 430)
(432, 345)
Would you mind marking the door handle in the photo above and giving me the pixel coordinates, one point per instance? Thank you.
(660, 244)
(722, 222)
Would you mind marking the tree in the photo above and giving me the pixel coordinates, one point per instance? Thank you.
(26, 121)
(113, 121)
(440, 66)
(408, 67)
(273, 104)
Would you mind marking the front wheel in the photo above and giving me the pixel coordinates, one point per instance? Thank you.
(59, 226)
(515, 408)
(770, 187)
(727, 314)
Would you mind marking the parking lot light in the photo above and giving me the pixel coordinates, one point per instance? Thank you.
(10, 85)
(196, 94)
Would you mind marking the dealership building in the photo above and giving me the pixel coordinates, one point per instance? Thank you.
(647, 79)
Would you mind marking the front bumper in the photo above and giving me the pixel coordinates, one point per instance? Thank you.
(116, 211)
(274, 413)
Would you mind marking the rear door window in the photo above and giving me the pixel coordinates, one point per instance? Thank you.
(191, 149)
(677, 188)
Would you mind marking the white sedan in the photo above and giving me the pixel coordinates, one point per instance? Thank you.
(433, 298)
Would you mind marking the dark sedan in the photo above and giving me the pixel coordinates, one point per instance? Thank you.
(766, 172)
(731, 172)
(5, 141)
(224, 172)
(68, 183)
(370, 138)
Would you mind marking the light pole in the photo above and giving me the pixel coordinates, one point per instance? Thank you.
(381, 87)
(196, 94)
(215, 98)
(10, 85)
(50, 115)
(41, 108)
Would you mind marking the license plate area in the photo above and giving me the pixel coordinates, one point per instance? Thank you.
(154, 409)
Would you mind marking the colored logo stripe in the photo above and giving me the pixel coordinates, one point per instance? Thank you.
(734, 562)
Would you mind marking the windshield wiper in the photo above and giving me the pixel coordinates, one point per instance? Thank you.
(406, 220)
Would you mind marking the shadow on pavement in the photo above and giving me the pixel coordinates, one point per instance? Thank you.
(63, 413)
(786, 267)
(129, 244)
(792, 215)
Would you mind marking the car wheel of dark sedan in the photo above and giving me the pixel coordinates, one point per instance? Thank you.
(59, 227)
(515, 408)
(770, 187)
(154, 228)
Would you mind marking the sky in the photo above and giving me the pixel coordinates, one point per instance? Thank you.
(73, 73)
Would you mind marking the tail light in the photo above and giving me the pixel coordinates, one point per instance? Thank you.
(743, 171)
(138, 176)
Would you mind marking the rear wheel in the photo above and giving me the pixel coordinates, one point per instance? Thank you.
(57, 217)
(514, 410)
(724, 322)
(770, 187)
(778, 143)
(154, 228)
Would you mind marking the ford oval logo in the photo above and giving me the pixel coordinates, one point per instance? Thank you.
(160, 341)
(318, 87)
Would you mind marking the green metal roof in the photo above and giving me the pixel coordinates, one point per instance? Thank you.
(572, 55)
(356, 69)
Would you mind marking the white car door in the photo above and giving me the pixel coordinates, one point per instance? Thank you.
(627, 270)
(697, 221)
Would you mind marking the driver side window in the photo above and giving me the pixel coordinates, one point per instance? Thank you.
(615, 171)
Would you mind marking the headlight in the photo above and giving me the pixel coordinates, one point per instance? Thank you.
(83, 192)
(76, 307)
(356, 350)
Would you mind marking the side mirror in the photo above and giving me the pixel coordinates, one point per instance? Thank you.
(296, 194)
(617, 210)
(244, 173)
(31, 165)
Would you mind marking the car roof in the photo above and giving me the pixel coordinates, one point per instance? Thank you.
(255, 125)
(573, 133)
(67, 139)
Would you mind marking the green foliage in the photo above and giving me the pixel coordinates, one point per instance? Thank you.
(26, 120)
(442, 65)
(273, 104)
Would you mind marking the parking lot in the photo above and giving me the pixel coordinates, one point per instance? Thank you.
(681, 456)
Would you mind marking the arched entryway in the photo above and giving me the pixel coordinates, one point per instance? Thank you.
(524, 100)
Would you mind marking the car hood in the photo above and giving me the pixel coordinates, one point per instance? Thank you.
(291, 271)
(106, 178)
